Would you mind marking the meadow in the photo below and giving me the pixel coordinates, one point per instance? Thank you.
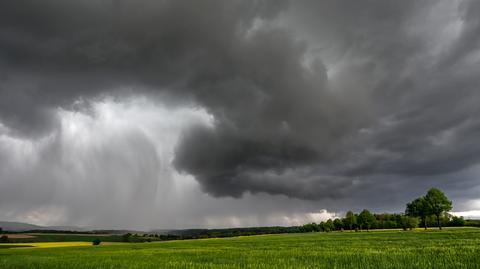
(450, 248)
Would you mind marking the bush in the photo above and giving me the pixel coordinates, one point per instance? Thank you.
(4, 239)
(96, 242)
(471, 222)
(126, 237)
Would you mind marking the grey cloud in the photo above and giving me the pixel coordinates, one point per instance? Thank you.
(390, 108)
(71, 49)
(316, 100)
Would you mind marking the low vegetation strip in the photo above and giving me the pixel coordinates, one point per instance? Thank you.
(47, 245)
(450, 248)
(18, 236)
(13, 246)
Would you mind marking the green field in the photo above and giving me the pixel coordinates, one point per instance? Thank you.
(450, 248)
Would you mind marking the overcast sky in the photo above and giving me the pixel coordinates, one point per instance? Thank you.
(180, 114)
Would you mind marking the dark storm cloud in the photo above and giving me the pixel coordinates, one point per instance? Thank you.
(56, 51)
(392, 107)
(310, 99)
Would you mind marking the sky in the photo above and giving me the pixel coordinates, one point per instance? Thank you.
(165, 114)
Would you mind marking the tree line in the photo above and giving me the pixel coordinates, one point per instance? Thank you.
(429, 210)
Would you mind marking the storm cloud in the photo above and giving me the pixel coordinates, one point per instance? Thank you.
(332, 104)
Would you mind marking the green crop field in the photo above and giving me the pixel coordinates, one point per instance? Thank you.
(450, 248)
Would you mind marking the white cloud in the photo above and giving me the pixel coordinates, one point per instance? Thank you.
(471, 214)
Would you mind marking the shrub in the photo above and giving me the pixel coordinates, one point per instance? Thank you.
(126, 237)
(96, 242)
(4, 239)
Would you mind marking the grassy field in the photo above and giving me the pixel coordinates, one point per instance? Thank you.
(450, 248)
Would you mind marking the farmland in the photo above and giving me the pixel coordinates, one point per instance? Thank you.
(450, 248)
(46, 237)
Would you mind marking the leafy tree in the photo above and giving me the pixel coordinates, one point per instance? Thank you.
(438, 203)
(310, 227)
(419, 208)
(96, 242)
(457, 221)
(329, 226)
(321, 227)
(337, 223)
(366, 219)
(408, 222)
(350, 220)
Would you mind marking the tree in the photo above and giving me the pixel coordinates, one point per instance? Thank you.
(338, 224)
(408, 222)
(438, 203)
(321, 227)
(96, 242)
(329, 226)
(419, 208)
(350, 220)
(457, 221)
(366, 219)
(309, 227)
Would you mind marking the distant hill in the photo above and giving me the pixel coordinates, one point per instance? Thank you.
(24, 227)
(21, 226)
(18, 226)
